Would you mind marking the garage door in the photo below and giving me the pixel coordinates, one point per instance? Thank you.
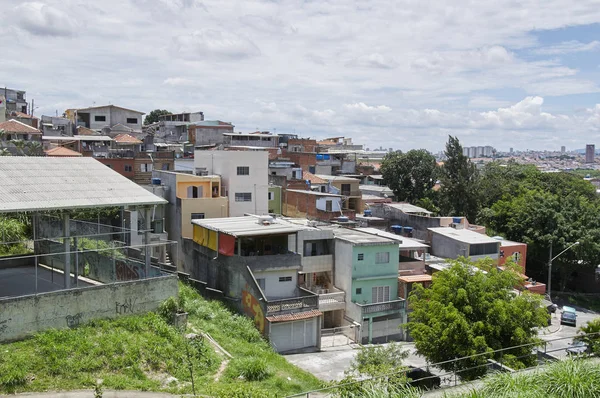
(288, 336)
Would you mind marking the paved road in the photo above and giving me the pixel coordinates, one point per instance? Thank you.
(564, 332)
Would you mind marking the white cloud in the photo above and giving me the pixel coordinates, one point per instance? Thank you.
(41, 19)
(364, 108)
(215, 43)
(374, 60)
(567, 47)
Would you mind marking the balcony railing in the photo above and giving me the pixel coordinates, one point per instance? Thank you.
(395, 305)
(332, 301)
(292, 304)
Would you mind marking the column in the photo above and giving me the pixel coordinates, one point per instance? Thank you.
(67, 250)
(147, 248)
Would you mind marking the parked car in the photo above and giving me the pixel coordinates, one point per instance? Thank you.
(568, 316)
(577, 348)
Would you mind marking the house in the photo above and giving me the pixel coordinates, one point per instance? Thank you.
(366, 269)
(452, 243)
(258, 139)
(96, 146)
(208, 132)
(190, 197)
(15, 100)
(252, 261)
(62, 152)
(347, 187)
(376, 190)
(244, 176)
(315, 205)
(108, 118)
(24, 118)
(174, 127)
(57, 126)
(19, 138)
(516, 251)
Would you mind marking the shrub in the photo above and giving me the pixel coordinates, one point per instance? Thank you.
(240, 390)
(250, 368)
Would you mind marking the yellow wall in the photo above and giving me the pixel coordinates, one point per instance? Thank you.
(211, 207)
(185, 181)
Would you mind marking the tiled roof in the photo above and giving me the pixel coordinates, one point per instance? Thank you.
(127, 139)
(313, 178)
(23, 115)
(415, 278)
(61, 151)
(294, 317)
(85, 131)
(14, 126)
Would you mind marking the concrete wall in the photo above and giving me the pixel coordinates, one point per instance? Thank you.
(225, 164)
(342, 274)
(442, 246)
(22, 316)
(336, 203)
(274, 289)
(275, 203)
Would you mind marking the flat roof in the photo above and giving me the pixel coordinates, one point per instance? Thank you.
(336, 178)
(108, 106)
(33, 183)
(314, 193)
(375, 188)
(415, 278)
(408, 208)
(506, 242)
(404, 242)
(249, 226)
(360, 238)
(77, 138)
(463, 235)
(250, 135)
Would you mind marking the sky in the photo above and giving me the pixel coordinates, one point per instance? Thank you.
(393, 74)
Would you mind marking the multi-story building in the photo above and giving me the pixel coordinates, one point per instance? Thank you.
(347, 187)
(590, 151)
(366, 269)
(208, 132)
(452, 243)
(108, 118)
(253, 262)
(15, 100)
(258, 139)
(244, 176)
(57, 126)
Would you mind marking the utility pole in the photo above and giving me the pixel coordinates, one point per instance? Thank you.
(550, 272)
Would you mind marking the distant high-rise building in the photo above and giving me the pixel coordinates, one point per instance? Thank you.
(563, 149)
(511, 150)
(590, 150)
(488, 151)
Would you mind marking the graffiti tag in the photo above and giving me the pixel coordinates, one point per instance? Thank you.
(127, 307)
(4, 325)
(74, 320)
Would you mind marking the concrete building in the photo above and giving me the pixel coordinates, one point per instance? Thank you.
(590, 151)
(208, 132)
(110, 118)
(563, 149)
(57, 126)
(16, 100)
(453, 243)
(173, 128)
(2, 109)
(190, 198)
(244, 176)
(366, 269)
(253, 262)
(315, 205)
(258, 139)
(347, 187)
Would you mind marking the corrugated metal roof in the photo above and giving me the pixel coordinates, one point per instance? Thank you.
(408, 208)
(29, 183)
(404, 242)
(248, 226)
(297, 316)
(463, 235)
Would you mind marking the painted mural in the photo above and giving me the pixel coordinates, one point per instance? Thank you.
(253, 309)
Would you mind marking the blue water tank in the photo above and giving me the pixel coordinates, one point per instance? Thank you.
(156, 181)
(319, 157)
(368, 213)
(326, 157)
(408, 230)
(397, 229)
(456, 220)
(343, 219)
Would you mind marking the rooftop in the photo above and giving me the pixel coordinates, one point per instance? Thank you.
(127, 139)
(108, 106)
(404, 242)
(312, 178)
(62, 151)
(408, 208)
(336, 178)
(250, 135)
(316, 193)
(77, 138)
(376, 188)
(248, 226)
(505, 242)
(213, 123)
(82, 130)
(415, 278)
(14, 126)
(463, 235)
(360, 238)
(32, 183)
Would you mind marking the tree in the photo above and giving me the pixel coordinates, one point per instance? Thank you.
(410, 175)
(152, 117)
(467, 312)
(459, 195)
(590, 334)
(34, 148)
(19, 145)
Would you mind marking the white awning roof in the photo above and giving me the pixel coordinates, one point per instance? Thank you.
(249, 226)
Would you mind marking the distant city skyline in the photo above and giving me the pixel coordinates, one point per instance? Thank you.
(404, 77)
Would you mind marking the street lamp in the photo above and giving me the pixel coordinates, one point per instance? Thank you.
(550, 265)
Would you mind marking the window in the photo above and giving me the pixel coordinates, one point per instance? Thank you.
(132, 120)
(197, 216)
(243, 171)
(271, 195)
(146, 167)
(380, 294)
(359, 290)
(361, 256)
(328, 205)
(128, 167)
(382, 258)
(195, 192)
(285, 279)
(243, 197)
(99, 118)
(165, 166)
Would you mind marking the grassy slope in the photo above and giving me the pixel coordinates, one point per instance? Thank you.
(140, 352)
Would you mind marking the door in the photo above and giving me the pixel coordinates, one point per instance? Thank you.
(288, 336)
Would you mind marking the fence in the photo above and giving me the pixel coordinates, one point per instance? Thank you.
(340, 336)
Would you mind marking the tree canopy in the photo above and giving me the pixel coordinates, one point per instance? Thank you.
(152, 117)
(410, 175)
(467, 312)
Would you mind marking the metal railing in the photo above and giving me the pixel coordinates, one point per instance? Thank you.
(381, 307)
(291, 304)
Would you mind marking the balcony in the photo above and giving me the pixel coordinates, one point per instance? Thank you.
(295, 304)
(266, 262)
(322, 263)
(332, 301)
(351, 192)
(387, 306)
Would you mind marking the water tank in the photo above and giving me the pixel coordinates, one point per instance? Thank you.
(343, 219)
(368, 213)
(319, 157)
(456, 220)
(397, 229)
(156, 181)
(408, 231)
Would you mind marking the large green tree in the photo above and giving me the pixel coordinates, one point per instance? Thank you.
(152, 117)
(410, 175)
(467, 312)
(459, 191)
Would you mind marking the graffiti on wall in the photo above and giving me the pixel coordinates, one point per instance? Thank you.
(126, 307)
(74, 320)
(129, 271)
(253, 309)
(4, 325)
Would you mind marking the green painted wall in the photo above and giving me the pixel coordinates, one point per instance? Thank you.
(377, 274)
(275, 203)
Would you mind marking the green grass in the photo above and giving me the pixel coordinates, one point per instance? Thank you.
(141, 352)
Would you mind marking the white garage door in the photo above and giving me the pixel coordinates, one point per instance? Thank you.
(287, 336)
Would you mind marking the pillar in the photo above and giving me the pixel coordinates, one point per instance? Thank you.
(67, 250)
(370, 330)
(147, 248)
